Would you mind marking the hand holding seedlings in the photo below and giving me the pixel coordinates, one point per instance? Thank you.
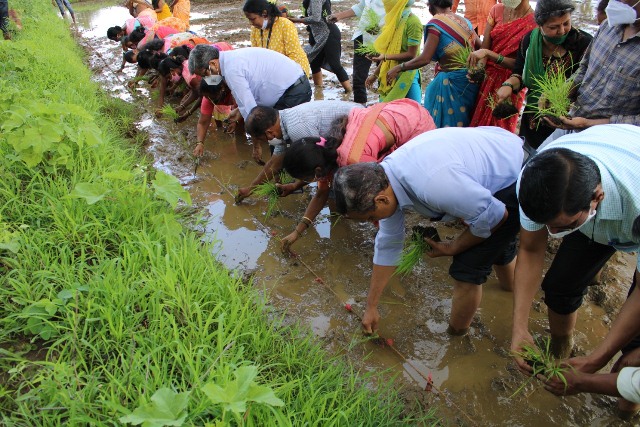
(543, 365)
(517, 340)
(370, 320)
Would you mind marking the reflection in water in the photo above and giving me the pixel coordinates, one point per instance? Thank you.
(237, 248)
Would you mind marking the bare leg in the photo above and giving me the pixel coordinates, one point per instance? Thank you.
(466, 300)
(505, 275)
(562, 326)
(346, 85)
(317, 78)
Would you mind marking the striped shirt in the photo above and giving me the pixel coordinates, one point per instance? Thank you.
(312, 119)
(616, 151)
(608, 77)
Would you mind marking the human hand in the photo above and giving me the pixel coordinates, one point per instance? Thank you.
(371, 80)
(518, 339)
(503, 93)
(377, 59)
(289, 240)
(392, 74)
(286, 189)
(158, 112)
(568, 384)
(199, 150)
(181, 118)
(584, 364)
(332, 19)
(476, 56)
(438, 249)
(370, 320)
(630, 359)
(243, 193)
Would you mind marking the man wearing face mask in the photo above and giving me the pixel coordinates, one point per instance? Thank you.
(585, 189)
(607, 80)
(254, 75)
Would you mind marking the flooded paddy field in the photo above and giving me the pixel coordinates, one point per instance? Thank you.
(474, 373)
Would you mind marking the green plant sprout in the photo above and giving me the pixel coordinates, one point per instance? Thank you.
(371, 22)
(366, 49)
(415, 249)
(168, 111)
(269, 190)
(539, 357)
(460, 57)
(554, 90)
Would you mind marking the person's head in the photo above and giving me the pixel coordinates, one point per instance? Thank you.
(621, 12)
(204, 60)
(554, 19)
(180, 52)
(512, 4)
(439, 6)
(214, 93)
(561, 189)
(115, 33)
(170, 67)
(131, 56)
(136, 35)
(154, 45)
(148, 59)
(310, 159)
(263, 124)
(261, 13)
(601, 15)
(363, 192)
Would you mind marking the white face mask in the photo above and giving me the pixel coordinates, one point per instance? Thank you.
(265, 22)
(511, 4)
(619, 13)
(175, 78)
(213, 80)
(561, 234)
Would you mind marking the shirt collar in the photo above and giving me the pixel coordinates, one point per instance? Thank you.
(283, 127)
(611, 206)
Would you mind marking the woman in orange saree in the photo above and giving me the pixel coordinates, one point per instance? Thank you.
(507, 24)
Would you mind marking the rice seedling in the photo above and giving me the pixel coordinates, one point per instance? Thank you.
(542, 362)
(168, 111)
(371, 22)
(366, 49)
(554, 89)
(415, 248)
(460, 58)
(269, 190)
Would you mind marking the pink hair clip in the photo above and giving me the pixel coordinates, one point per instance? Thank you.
(321, 142)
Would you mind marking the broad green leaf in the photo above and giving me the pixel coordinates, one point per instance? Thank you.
(92, 193)
(90, 135)
(66, 294)
(168, 188)
(17, 117)
(167, 408)
(172, 227)
(263, 394)
(11, 246)
(119, 174)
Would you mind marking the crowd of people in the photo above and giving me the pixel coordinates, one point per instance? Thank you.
(482, 145)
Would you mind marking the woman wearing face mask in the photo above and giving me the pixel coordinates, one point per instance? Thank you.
(271, 31)
(398, 42)
(554, 45)
(507, 24)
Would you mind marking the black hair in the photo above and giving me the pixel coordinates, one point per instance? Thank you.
(148, 59)
(180, 51)
(442, 4)
(305, 155)
(129, 57)
(602, 5)
(546, 9)
(112, 33)
(214, 93)
(137, 35)
(260, 6)
(167, 64)
(557, 181)
(259, 120)
(154, 3)
(635, 228)
(153, 45)
(356, 187)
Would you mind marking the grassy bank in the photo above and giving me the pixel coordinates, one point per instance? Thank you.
(112, 310)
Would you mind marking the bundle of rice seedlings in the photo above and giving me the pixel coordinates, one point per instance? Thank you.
(285, 178)
(541, 360)
(460, 57)
(371, 22)
(415, 248)
(272, 193)
(501, 110)
(366, 49)
(554, 88)
(168, 111)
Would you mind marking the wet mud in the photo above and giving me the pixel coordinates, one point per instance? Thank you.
(474, 373)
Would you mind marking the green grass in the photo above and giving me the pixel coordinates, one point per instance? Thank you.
(110, 304)
(555, 89)
(542, 362)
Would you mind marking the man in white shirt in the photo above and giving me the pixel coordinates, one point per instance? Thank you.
(444, 174)
(256, 76)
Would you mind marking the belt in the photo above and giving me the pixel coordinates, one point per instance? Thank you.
(300, 80)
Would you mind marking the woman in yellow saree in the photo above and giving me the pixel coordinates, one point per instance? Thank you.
(398, 42)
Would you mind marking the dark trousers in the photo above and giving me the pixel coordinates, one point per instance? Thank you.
(361, 66)
(330, 56)
(4, 15)
(298, 93)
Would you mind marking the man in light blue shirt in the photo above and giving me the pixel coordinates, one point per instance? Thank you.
(585, 188)
(445, 174)
(256, 76)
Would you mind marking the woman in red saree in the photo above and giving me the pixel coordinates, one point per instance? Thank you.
(507, 24)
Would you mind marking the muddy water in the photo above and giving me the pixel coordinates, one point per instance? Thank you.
(474, 372)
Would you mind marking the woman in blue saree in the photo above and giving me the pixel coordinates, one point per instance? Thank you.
(450, 97)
